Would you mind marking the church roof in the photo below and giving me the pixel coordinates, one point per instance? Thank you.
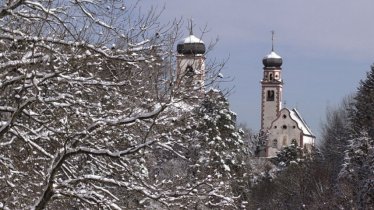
(190, 40)
(191, 45)
(272, 60)
(272, 55)
(295, 115)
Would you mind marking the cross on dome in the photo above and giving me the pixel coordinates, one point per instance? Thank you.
(272, 40)
(191, 27)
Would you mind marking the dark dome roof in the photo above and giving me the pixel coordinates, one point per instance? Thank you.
(191, 45)
(272, 60)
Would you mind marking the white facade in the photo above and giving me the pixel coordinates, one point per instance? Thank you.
(286, 129)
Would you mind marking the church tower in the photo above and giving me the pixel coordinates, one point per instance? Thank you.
(271, 91)
(191, 63)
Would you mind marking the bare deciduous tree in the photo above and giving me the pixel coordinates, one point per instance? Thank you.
(86, 103)
(81, 86)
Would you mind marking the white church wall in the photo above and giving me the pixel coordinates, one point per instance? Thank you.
(308, 140)
(283, 131)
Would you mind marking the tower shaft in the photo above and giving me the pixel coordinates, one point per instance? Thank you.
(271, 90)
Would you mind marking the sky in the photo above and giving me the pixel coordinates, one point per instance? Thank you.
(327, 48)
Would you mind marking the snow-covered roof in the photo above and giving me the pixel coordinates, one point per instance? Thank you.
(272, 55)
(295, 115)
(191, 39)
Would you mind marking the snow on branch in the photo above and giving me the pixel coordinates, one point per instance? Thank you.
(64, 154)
(82, 45)
(92, 81)
(8, 142)
(128, 185)
(12, 5)
(26, 138)
(88, 14)
(22, 106)
(22, 62)
(39, 6)
(107, 152)
(167, 147)
(129, 120)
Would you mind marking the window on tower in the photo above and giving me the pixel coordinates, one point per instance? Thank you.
(270, 95)
(271, 77)
(189, 71)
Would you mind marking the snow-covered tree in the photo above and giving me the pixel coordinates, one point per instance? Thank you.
(255, 142)
(356, 184)
(90, 117)
(81, 86)
(356, 176)
(206, 166)
(289, 154)
(362, 113)
(301, 185)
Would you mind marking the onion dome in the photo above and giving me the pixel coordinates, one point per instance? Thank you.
(272, 60)
(191, 45)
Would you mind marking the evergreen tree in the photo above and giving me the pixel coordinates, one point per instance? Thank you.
(362, 114)
(288, 155)
(207, 156)
(300, 185)
(336, 131)
(356, 177)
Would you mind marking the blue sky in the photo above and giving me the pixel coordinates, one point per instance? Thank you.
(326, 46)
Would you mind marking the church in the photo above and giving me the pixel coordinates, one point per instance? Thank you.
(282, 126)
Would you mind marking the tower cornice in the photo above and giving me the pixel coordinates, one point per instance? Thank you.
(271, 83)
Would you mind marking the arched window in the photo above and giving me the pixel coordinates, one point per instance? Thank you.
(270, 95)
(275, 143)
(271, 77)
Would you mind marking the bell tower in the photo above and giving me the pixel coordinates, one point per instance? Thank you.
(271, 91)
(191, 63)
